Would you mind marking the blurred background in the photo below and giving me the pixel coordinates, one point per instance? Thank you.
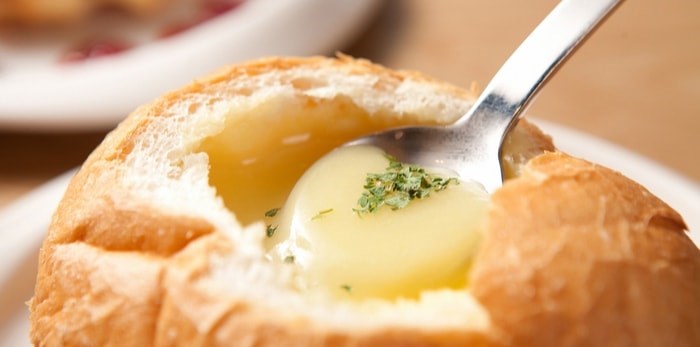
(69, 74)
(635, 83)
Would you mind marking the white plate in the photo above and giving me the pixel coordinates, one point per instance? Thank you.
(38, 94)
(23, 224)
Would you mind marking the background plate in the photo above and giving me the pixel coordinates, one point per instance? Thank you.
(38, 94)
(24, 223)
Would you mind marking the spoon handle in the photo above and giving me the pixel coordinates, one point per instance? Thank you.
(522, 75)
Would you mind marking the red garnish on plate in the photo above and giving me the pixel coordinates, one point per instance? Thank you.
(175, 29)
(214, 8)
(93, 49)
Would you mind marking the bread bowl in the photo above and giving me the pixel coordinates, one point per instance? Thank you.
(160, 237)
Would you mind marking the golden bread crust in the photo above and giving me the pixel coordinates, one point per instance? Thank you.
(592, 256)
(89, 297)
(572, 249)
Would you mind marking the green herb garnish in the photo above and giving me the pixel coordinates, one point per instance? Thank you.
(271, 230)
(397, 186)
(322, 213)
(289, 259)
(272, 212)
(346, 287)
(270, 227)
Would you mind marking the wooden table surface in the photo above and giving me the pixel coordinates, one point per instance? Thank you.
(636, 82)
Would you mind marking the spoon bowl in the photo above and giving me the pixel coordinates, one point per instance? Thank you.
(472, 146)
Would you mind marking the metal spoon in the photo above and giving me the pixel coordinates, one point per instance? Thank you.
(472, 145)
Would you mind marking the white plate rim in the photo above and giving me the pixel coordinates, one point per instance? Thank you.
(97, 94)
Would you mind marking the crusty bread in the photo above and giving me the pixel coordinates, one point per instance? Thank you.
(142, 250)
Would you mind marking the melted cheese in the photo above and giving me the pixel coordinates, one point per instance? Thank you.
(427, 245)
